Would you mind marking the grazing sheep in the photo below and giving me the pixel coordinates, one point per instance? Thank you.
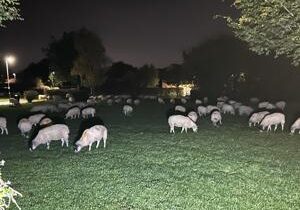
(209, 108)
(202, 111)
(257, 117)
(216, 117)
(172, 101)
(295, 126)
(263, 105)
(110, 101)
(193, 116)
(137, 102)
(273, 119)
(118, 100)
(160, 100)
(86, 112)
(73, 113)
(245, 110)
(45, 121)
(51, 133)
(129, 101)
(127, 110)
(183, 100)
(198, 101)
(280, 105)
(182, 122)
(227, 108)
(3, 125)
(231, 102)
(44, 108)
(222, 98)
(24, 126)
(36, 118)
(91, 101)
(254, 100)
(91, 135)
(220, 104)
(237, 105)
(270, 106)
(180, 108)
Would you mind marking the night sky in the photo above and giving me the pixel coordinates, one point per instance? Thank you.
(134, 31)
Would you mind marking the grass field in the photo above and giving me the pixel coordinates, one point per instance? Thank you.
(145, 167)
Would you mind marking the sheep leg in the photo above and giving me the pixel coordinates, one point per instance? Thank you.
(185, 129)
(62, 142)
(97, 145)
(6, 131)
(104, 143)
(90, 146)
(282, 126)
(67, 142)
(182, 129)
(269, 128)
(48, 145)
(275, 127)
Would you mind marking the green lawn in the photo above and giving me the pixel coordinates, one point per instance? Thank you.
(145, 167)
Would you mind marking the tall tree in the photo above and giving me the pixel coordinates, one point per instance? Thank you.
(269, 26)
(91, 61)
(9, 11)
(148, 76)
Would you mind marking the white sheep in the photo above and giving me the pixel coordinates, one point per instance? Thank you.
(198, 101)
(24, 126)
(202, 111)
(110, 102)
(91, 135)
(273, 119)
(127, 110)
(137, 102)
(295, 126)
(220, 104)
(232, 102)
(45, 121)
(209, 108)
(263, 104)
(270, 106)
(73, 113)
(280, 105)
(36, 118)
(129, 101)
(193, 116)
(183, 100)
(180, 108)
(172, 101)
(88, 111)
(254, 100)
(44, 108)
(3, 125)
(245, 110)
(216, 118)
(52, 133)
(160, 100)
(118, 100)
(257, 117)
(181, 122)
(227, 108)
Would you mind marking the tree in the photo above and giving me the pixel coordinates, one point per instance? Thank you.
(90, 64)
(148, 76)
(9, 11)
(269, 26)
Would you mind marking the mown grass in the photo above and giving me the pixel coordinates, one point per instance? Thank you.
(145, 167)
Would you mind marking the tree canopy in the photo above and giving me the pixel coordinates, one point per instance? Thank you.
(269, 26)
(9, 11)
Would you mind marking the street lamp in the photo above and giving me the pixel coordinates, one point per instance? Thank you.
(8, 60)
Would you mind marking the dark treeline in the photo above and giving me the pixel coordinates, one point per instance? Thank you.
(223, 65)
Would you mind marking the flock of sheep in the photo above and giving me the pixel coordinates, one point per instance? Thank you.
(266, 117)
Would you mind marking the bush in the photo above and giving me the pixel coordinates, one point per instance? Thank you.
(7, 193)
(30, 95)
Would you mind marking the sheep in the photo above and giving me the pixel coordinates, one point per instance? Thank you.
(118, 100)
(160, 100)
(24, 126)
(51, 133)
(263, 104)
(193, 116)
(86, 112)
(44, 108)
(216, 117)
(129, 101)
(222, 98)
(295, 126)
(91, 135)
(198, 101)
(180, 108)
(220, 104)
(182, 122)
(127, 110)
(137, 102)
(245, 110)
(109, 102)
(227, 108)
(209, 108)
(73, 113)
(202, 111)
(45, 121)
(183, 100)
(270, 106)
(273, 119)
(254, 100)
(3, 125)
(257, 117)
(237, 105)
(280, 105)
(232, 102)
(172, 101)
(36, 118)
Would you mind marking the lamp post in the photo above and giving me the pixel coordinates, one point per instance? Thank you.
(8, 60)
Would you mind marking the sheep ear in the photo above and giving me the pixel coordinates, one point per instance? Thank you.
(84, 134)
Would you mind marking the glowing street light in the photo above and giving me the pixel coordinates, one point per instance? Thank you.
(8, 60)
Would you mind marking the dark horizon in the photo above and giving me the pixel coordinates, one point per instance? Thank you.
(152, 32)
